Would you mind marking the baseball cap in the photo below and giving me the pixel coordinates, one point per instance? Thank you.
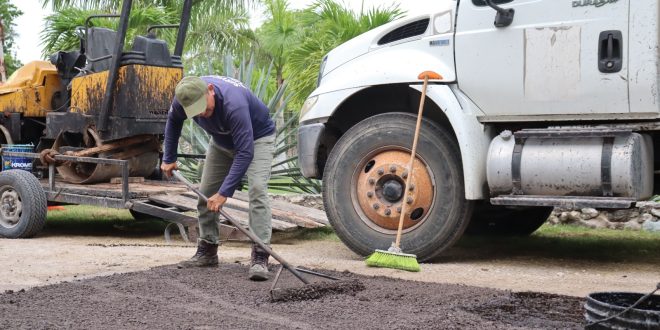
(191, 93)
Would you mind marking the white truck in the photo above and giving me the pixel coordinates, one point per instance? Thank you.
(542, 103)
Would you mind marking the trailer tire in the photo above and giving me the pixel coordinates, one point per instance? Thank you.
(490, 220)
(23, 204)
(448, 213)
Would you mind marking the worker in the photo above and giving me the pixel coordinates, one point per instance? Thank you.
(242, 142)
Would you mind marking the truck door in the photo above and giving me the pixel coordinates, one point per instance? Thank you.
(557, 57)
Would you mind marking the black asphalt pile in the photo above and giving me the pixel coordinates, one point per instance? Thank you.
(317, 290)
(223, 298)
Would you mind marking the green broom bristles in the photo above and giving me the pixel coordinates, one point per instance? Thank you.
(387, 259)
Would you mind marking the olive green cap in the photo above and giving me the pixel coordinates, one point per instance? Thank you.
(191, 93)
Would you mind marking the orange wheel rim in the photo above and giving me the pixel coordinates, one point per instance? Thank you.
(380, 190)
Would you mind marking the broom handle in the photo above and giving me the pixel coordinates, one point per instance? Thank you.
(412, 161)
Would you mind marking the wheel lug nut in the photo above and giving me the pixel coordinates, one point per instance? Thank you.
(398, 209)
(380, 171)
(404, 175)
(376, 206)
(388, 212)
(372, 181)
(393, 169)
(409, 200)
(370, 194)
(411, 187)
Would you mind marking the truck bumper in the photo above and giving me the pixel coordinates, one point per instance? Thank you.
(309, 139)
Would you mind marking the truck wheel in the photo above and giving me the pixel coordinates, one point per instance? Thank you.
(23, 204)
(363, 187)
(490, 220)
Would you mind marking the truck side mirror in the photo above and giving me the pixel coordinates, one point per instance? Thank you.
(504, 17)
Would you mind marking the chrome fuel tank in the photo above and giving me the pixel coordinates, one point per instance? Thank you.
(620, 166)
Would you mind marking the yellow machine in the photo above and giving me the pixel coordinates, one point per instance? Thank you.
(99, 96)
(31, 90)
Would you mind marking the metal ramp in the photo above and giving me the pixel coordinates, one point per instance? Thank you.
(179, 209)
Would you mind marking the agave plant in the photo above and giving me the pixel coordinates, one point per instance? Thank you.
(286, 175)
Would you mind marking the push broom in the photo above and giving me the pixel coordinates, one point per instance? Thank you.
(394, 257)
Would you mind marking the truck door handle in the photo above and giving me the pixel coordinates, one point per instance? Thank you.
(610, 48)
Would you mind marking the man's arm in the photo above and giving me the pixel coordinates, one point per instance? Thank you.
(175, 119)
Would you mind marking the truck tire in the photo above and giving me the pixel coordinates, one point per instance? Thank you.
(366, 168)
(490, 220)
(23, 204)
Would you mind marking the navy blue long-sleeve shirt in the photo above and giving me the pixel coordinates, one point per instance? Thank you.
(239, 118)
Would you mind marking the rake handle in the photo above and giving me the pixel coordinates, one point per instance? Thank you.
(418, 126)
(247, 233)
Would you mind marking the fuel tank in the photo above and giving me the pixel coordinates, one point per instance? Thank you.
(619, 166)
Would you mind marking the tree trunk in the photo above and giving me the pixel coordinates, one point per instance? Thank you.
(279, 119)
(280, 78)
(3, 71)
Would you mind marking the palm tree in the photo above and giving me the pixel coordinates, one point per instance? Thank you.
(218, 26)
(201, 5)
(278, 35)
(60, 31)
(328, 24)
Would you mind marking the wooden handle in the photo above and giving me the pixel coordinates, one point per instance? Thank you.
(412, 157)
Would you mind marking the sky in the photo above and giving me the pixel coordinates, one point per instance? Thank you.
(30, 24)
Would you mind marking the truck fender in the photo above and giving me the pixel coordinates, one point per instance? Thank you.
(378, 67)
(473, 137)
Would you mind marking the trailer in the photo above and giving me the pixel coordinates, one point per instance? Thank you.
(24, 198)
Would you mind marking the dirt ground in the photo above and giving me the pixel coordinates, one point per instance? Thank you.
(56, 257)
(75, 279)
(166, 297)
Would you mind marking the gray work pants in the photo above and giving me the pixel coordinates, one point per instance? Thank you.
(216, 167)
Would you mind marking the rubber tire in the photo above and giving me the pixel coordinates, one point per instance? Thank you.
(490, 220)
(33, 198)
(446, 220)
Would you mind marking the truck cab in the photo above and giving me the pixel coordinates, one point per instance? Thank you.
(542, 103)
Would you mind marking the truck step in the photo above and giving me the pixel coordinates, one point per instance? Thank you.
(574, 202)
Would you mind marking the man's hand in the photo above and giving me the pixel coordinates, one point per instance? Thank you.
(168, 168)
(216, 202)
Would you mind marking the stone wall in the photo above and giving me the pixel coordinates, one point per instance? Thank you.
(308, 200)
(644, 218)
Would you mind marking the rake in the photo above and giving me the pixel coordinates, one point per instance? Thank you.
(309, 290)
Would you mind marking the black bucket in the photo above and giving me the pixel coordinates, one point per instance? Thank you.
(602, 305)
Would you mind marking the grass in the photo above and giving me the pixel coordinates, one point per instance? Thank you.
(307, 234)
(96, 221)
(571, 242)
(557, 242)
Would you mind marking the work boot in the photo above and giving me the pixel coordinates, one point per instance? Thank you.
(259, 264)
(206, 256)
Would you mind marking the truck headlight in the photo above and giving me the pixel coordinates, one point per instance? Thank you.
(308, 105)
(321, 68)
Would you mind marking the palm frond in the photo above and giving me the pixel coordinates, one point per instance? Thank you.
(328, 24)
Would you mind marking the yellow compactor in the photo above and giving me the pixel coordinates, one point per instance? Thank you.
(101, 100)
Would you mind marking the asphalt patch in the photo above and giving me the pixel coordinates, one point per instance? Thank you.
(316, 290)
(224, 298)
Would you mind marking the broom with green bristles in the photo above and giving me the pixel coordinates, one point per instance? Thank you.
(394, 257)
